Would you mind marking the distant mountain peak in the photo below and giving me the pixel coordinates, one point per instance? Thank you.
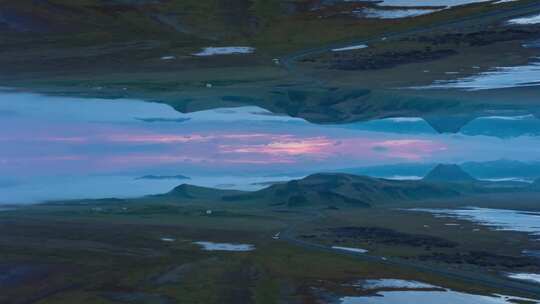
(334, 190)
(183, 191)
(448, 173)
(448, 124)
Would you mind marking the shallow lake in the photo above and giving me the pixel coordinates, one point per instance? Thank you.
(500, 219)
(427, 297)
(497, 78)
(390, 291)
(428, 2)
(211, 246)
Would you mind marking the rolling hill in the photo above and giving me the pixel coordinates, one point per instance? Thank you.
(448, 173)
(335, 190)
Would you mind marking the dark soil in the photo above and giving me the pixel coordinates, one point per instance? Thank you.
(390, 237)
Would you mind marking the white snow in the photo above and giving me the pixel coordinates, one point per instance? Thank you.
(497, 78)
(211, 246)
(225, 50)
(357, 250)
(350, 48)
(393, 13)
(394, 9)
(526, 20)
(531, 277)
(498, 219)
(394, 283)
(431, 297)
(392, 291)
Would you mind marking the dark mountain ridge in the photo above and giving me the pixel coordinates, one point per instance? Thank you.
(334, 190)
(448, 173)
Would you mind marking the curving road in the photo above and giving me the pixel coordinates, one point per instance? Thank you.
(289, 235)
(521, 288)
(288, 61)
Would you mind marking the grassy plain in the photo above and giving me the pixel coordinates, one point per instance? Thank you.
(142, 250)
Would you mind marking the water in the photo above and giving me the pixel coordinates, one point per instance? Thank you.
(498, 78)
(393, 283)
(57, 148)
(350, 48)
(534, 19)
(394, 9)
(350, 249)
(394, 13)
(415, 292)
(442, 3)
(429, 297)
(211, 246)
(228, 50)
(499, 219)
(530, 277)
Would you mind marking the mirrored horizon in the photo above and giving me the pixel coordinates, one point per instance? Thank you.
(68, 148)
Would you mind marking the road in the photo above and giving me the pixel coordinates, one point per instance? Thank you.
(289, 235)
(288, 61)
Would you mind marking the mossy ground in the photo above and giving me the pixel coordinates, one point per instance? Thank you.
(110, 251)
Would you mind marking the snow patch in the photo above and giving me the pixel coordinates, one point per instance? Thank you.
(226, 50)
(357, 250)
(211, 246)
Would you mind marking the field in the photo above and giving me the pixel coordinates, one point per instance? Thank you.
(119, 54)
(148, 250)
(143, 251)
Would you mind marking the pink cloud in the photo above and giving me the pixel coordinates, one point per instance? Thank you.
(268, 161)
(187, 138)
(153, 159)
(292, 147)
(64, 139)
(157, 138)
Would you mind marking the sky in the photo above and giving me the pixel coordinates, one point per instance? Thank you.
(67, 141)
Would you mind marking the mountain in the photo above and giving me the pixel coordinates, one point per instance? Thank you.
(448, 124)
(334, 190)
(189, 193)
(448, 173)
(391, 171)
(337, 190)
(500, 169)
(504, 126)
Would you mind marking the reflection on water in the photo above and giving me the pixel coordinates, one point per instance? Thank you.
(430, 297)
(500, 219)
(428, 2)
(396, 9)
(389, 291)
(393, 283)
(530, 277)
(393, 9)
(534, 19)
(350, 249)
(211, 246)
(57, 148)
(498, 78)
(393, 13)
